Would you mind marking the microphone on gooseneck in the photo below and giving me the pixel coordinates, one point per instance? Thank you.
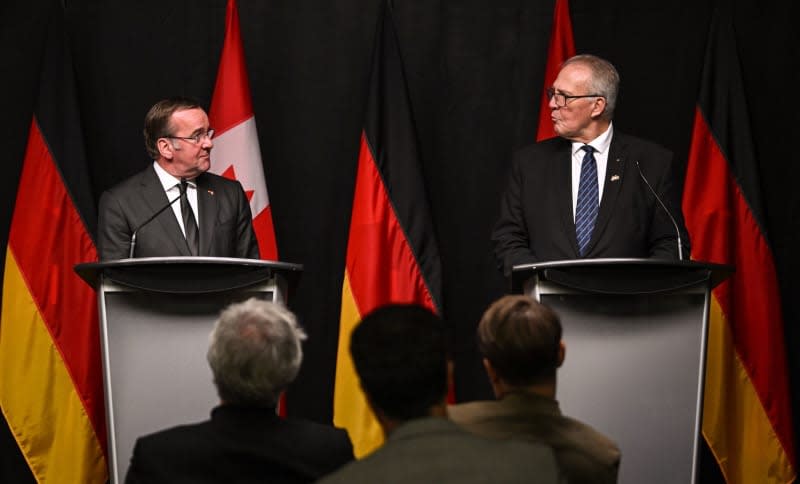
(150, 219)
(671, 218)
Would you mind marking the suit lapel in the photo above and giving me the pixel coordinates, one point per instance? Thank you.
(207, 207)
(154, 195)
(563, 189)
(615, 170)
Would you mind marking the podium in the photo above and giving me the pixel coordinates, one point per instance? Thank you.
(635, 334)
(155, 318)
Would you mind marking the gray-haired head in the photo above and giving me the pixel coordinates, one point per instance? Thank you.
(605, 79)
(255, 352)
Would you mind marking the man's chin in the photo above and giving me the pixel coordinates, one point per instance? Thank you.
(564, 133)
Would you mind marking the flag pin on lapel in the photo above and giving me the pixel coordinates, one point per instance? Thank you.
(210, 192)
(614, 177)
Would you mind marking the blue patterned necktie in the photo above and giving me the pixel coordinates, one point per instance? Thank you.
(588, 201)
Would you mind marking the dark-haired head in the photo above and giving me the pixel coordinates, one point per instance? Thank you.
(157, 120)
(400, 357)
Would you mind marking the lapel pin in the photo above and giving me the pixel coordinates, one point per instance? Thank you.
(614, 177)
(210, 192)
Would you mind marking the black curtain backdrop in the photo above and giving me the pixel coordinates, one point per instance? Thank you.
(475, 73)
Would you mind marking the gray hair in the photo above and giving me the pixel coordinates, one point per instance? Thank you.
(255, 352)
(605, 79)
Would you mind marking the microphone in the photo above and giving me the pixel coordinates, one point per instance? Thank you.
(152, 217)
(671, 218)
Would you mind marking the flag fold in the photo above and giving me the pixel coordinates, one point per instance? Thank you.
(51, 390)
(237, 154)
(392, 255)
(746, 413)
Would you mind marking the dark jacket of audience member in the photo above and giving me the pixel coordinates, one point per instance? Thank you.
(255, 352)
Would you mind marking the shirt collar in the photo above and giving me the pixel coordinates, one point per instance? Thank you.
(168, 181)
(600, 144)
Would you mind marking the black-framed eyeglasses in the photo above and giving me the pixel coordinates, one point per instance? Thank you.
(196, 139)
(561, 99)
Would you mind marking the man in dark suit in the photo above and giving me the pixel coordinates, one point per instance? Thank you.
(581, 194)
(213, 215)
(254, 353)
(521, 344)
(400, 357)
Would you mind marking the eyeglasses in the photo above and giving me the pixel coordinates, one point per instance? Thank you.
(196, 139)
(562, 99)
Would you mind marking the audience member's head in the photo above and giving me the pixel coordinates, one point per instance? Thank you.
(521, 340)
(400, 357)
(254, 352)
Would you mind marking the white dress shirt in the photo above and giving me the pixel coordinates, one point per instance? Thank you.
(172, 187)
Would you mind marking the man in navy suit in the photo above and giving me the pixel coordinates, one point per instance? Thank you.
(212, 218)
(582, 194)
(254, 353)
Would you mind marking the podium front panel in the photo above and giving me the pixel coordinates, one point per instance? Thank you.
(154, 355)
(635, 332)
(631, 371)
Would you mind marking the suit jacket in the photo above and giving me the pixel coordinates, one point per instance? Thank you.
(537, 223)
(435, 450)
(224, 216)
(584, 454)
(240, 445)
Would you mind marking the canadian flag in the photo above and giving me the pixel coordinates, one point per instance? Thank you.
(562, 47)
(236, 154)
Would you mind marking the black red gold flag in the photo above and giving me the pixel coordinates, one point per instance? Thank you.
(747, 419)
(51, 391)
(392, 255)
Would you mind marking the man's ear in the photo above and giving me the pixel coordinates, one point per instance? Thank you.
(166, 148)
(599, 107)
(490, 371)
(562, 351)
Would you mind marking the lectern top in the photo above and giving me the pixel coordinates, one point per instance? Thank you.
(622, 275)
(186, 274)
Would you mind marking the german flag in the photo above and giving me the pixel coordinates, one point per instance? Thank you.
(51, 391)
(392, 256)
(562, 47)
(746, 413)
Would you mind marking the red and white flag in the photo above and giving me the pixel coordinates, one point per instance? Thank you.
(562, 47)
(236, 154)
